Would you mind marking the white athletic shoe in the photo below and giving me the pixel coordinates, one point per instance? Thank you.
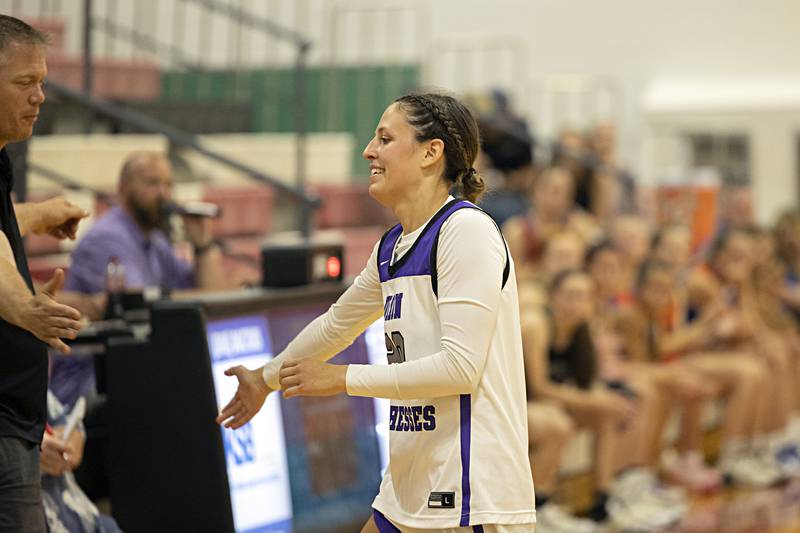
(752, 469)
(638, 502)
(638, 483)
(640, 516)
(552, 518)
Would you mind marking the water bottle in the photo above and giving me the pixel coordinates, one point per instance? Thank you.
(115, 288)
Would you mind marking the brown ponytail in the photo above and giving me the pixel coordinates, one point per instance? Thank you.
(439, 116)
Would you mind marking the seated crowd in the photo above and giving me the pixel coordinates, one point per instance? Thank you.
(630, 323)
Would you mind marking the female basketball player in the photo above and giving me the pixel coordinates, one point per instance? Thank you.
(445, 283)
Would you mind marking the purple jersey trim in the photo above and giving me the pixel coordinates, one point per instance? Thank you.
(466, 429)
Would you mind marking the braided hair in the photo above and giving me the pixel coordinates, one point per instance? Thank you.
(438, 116)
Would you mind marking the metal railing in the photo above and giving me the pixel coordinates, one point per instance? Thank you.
(146, 124)
(241, 18)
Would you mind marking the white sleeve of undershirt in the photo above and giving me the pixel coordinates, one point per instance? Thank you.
(470, 261)
(358, 307)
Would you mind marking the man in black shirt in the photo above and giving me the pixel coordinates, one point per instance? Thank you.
(29, 321)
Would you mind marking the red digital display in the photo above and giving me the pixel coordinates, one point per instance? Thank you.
(333, 266)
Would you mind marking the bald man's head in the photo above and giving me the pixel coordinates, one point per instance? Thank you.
(145, 188)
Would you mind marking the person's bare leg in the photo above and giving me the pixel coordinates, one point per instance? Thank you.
(605, 443)
(549, 431)
(776, 354)
(794, 344)
(744, 379)
(691, 429)
(661, 406)
(370, 527)
(640, 441)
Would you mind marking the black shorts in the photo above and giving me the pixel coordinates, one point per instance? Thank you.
(20, 487)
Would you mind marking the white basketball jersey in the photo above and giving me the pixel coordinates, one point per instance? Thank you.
(454, 460)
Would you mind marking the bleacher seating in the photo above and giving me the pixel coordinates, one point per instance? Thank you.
(112, 79)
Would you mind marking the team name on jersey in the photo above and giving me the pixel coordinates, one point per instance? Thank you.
(412, 418)
(393, 306)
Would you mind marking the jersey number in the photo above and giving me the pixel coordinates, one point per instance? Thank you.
(395, 348)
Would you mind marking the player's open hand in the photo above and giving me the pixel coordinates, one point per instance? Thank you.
(310, 377)
(248, 399)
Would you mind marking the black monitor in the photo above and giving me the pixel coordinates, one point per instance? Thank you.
(301, 465)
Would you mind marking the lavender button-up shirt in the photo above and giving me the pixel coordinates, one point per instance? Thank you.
(148, 260)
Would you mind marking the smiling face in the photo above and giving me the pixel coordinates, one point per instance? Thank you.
(674, 247)
(572, 301)
(734, 261)
(605, 269)
(22, 72)
(395, 158)
(656, 289)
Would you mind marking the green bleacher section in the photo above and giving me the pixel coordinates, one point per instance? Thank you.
(340, 99)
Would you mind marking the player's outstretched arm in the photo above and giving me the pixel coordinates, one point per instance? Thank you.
(247, 401)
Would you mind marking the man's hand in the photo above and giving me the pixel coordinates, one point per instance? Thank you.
(198, 230)
(74, 449)
(54, 457)
(248, 399)
(56, 217)
(58, 457)
(48, 320)
(310, 377)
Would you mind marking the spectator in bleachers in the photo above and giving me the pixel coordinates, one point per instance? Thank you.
(571, 151)
(724, 288)
(604, 265)
(553, 210)
(609, 175)
(787, 242)
(564, 250)
(736, 208)
(769, 275)
(66, 506)
(133, 232)
(605, 195)
(602, 187)
(672, 247)
(645, 326)
(508, 146)
(561, 365)
(631, 235)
